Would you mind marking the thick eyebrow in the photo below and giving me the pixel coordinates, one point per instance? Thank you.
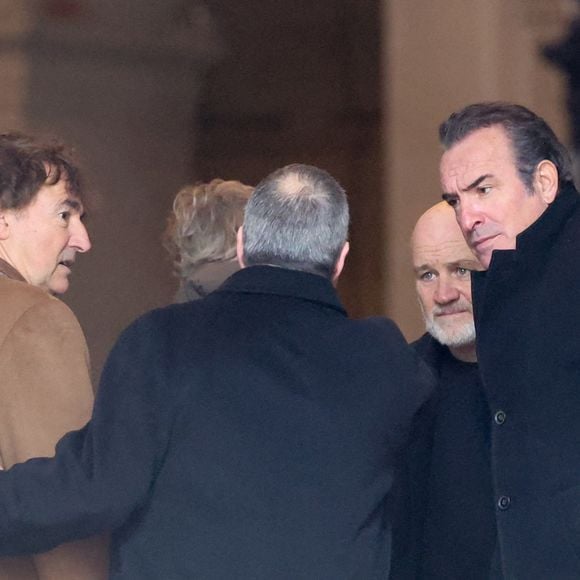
(422, 268)
(477, 182)
(75, 205)
(450, 196)
(467, 264)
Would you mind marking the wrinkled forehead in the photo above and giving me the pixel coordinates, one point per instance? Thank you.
(437, 234)
(485, 151)
(433, 253)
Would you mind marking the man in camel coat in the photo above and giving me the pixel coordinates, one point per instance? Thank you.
(45, 386)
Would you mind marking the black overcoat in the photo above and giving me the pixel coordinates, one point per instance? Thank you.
(248, 435)
(444, 522)
(527, 312)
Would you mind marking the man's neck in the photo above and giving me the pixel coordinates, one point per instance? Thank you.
(464, 353)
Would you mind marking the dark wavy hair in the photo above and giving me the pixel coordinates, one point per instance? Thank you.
(27, 165)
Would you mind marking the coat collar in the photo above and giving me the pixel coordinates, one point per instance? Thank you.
(430, 350)
(534, 242)
(434, 353)
(205, 279)
(549, 224)
(511, 267)
(537, 240)
(7, 270)
(283, 282)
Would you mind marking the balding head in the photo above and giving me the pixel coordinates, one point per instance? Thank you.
(438, 227)
(297, 218)
(442, 262)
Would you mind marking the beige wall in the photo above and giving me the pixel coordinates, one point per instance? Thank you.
(118, 82)
(16, 21)
(299, 82)
(438, 56)
(295, 82)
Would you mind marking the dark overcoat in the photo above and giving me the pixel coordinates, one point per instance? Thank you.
(250, 435)
(527, 312)
(444, 522)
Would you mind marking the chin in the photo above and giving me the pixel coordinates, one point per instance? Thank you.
(58, 286)
(454, 336)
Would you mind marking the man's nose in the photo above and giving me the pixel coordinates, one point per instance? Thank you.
(469, 217)
(446, 292)
(79, 239)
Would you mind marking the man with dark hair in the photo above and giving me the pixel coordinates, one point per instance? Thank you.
(251, 434)
(45, 387)
(509, 180)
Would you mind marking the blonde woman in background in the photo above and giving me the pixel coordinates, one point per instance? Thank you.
(201, 235)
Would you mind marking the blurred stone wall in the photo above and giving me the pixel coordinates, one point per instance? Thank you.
(118, 81)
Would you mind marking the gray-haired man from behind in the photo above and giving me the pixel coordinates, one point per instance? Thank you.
(250, 434)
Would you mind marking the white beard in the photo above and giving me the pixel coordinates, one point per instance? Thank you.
(459, 334)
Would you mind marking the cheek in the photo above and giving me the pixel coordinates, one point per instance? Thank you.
(48, 259)
(425, 297)
(519, 211)
(466, 291)
(498, 211)
(536, 208)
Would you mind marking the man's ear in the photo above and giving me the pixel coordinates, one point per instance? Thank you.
(546, 181)
(340, 262)
(240, 247)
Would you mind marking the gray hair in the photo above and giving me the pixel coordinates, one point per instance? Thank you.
(204, 222)
(297, 218)
(531, 137)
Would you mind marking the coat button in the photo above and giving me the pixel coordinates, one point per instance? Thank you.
(503, 503)
(500, 417)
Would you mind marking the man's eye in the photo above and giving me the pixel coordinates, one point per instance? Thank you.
(452, 201)
(485, 189)
(427, 276)
(463, 272)
(64, 215)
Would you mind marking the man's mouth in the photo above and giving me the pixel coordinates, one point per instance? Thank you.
(66, 263)
(478, 243)
(449, 312)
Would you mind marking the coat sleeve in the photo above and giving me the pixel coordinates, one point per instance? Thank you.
(102, 472)
(410, 495)
(45, 392)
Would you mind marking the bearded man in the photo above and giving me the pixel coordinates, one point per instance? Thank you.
(446, 526)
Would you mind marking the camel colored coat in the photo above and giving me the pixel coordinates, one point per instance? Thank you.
(45, 391)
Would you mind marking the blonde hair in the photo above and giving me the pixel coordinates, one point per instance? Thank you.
(203, 224)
